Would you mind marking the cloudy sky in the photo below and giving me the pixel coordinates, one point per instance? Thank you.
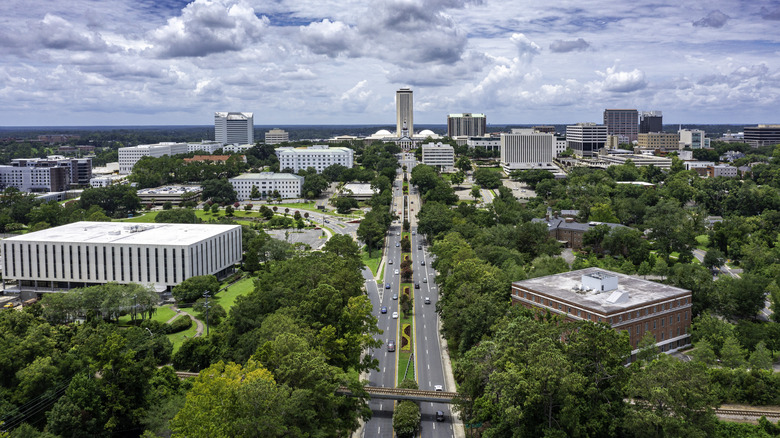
(125, 62)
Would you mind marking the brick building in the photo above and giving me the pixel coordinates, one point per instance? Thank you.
(622, 301)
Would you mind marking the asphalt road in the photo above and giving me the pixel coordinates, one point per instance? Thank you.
(428, 366)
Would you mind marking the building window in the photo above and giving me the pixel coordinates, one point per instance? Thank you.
(653, 324)
(662, 321)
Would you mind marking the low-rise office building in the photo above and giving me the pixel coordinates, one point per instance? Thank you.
(288, 185)
(624, 302)
(173, 194)
(84, 254)
(567, 231)
(659, 140)
(130, 155)
(276, 136)
(204, 146)
(525, 149)
(317, 156)
(439, 155)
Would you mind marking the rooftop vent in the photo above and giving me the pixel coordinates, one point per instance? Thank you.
(618, 297)
(600, 281)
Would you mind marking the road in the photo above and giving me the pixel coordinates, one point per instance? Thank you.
(428, 366)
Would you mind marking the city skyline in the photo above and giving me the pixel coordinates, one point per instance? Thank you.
(84, 63)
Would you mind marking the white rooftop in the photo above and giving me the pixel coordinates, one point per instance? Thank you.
(125, 233)
(267, 175)
(631, 291)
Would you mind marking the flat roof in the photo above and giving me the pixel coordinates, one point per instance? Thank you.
(267, 175)
(566, 287)
(126, 233)
(169, 190)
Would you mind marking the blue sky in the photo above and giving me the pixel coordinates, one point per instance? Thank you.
(131, 62)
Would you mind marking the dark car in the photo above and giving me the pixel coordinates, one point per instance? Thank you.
(390, 345)
(419, 246)
(422, 262)
(387, 285)
(384, 309)
(439, 416)
(417, 285)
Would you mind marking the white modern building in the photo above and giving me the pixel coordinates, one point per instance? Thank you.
(586, 139)
(34, 179)
(130, 155)
(466, 124)
(106, 180)
(288, 185)
(204, 146)
(487, 143)
(84, 254)
(698, 164)
(317, 156)
(693, 138)
(234, 128)
(276, 136)
(404, 113)
(79, 169)
(526, 149)
(439, 155)
(236, 148)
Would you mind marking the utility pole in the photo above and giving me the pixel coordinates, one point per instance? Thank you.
(206, 296)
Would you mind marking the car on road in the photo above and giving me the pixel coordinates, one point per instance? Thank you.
(439, 416)
(417, 285)
(390, 345)
(390, 262)
(396, 272)
(422, 262)
(327, 221)
(387, 285)
(395, 315)
(419, 246)
(395, 296)
(397, 244)
(384, 309)
(427, 301)
(397, 233)
(438, 388)
(413, 233)
(425, 280)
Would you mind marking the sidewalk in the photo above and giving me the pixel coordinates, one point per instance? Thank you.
(198, 323)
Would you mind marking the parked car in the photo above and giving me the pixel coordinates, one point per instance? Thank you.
(384, 309)
(395, 315)
(390, 345)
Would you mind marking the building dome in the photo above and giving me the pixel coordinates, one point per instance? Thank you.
(427, 133)
(382, 133)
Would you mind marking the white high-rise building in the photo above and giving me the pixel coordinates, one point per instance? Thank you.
(439, 155)
(130, 155)
(232, 128)
(404, 113)
(586, 139)
(526, 149)
(317, 156)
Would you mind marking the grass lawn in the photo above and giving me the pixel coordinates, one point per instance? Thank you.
(310, 206)
(371, 260)
(227, 297)
(403, 356)
(382, 277)
(178, 338)
(702, 242)
(145, 218)
(163, 314)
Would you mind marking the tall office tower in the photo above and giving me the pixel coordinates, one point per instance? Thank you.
(585, 139)
(404, 113)
(622, 122)
(651, 121)
(466, 125)
(762, 135)
(230, 128)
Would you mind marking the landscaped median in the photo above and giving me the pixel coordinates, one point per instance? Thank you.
(405, 343)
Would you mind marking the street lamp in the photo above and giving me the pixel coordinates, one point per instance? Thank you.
(207, 296)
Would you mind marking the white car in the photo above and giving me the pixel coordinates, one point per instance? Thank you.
(438, 388)
(396, 272)
(390, 262)
(395, 315)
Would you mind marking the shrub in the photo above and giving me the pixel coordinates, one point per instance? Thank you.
(180, 324)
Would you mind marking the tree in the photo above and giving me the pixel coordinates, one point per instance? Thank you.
(602, 212)
(487, 178)
(644, 269)
(714, 258)
(648, 351)
(704, 353)
(457, 178)
(229, 210)
(406, 419)
(219, 191)
(177, 216)
(434, 218)
(215, 208)
(671, 398)
(463, 163)
(732, 355)
(342, 245)
(254, 194)
(345, 204)
(116, 200)
(760, 358)
(774, 297)
(372, 230)
(193, 288)
(475, 192)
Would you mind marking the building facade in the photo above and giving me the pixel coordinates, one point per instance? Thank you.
(567, 231)
(622, 122)
(288, 186)
(658, 140)
(526, 149)
(79, 170)
(651, 121)
(693, 139)
(204, 146)
(230, 128)
(317, 156)
(130, 155)
(586, 139)
(84, 254)
(404, 113)
(623, 302)
(487, 143)
(762, 135)
(466, 124)
(276, 136)
(173, 194)
(35, 179)
(439, 155)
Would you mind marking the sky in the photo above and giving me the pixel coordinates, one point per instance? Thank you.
(171, 62)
